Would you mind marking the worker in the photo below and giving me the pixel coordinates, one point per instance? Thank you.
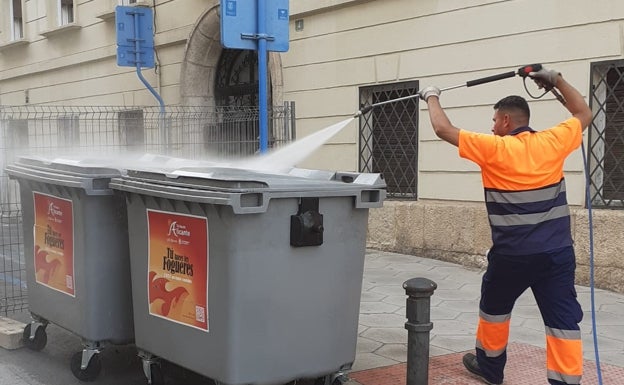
(525, 198)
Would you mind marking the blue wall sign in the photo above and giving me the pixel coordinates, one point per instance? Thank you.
(135, 35)
(239, 21)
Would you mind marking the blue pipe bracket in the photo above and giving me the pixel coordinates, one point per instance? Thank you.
(135, 48)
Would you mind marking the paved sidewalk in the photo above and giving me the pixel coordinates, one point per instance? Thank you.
(382, 342)
(454, 312)
(382, 347)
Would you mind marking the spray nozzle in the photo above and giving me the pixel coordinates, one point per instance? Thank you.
(364, 110)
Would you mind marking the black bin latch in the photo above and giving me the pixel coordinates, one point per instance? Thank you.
(306, 228)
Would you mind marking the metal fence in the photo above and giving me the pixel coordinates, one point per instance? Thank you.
(186, 132)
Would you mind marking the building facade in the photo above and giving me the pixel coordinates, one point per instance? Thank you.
(345, 54)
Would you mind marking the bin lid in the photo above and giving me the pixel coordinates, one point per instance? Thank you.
(241, 180)
(84, 167)
(92, 174)
(238, 187)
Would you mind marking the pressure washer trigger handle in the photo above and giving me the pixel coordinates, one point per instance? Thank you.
(524, 71)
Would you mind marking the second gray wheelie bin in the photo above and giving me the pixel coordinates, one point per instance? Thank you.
(248, 277)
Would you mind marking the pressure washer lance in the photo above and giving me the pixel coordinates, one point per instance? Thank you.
(523, 72)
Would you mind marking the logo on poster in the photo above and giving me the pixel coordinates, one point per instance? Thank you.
(54, 212)
(178, 231)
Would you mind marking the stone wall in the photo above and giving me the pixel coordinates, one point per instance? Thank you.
(459, 232)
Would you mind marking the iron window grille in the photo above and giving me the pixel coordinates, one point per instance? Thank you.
(388, 140)
(606, 135)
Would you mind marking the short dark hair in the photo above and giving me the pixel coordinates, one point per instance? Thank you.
(514, 102)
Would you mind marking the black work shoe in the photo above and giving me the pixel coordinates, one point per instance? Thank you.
(470, 362)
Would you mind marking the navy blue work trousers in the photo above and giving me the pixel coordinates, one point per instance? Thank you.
(550, 276)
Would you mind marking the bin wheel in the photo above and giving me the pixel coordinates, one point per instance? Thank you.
(40, 340)
(157, 375)
(92, 370)
(322, 381)
(337, 379)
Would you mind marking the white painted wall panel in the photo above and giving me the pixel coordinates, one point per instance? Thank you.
(331, 74)
(412, 32)
(339, 102)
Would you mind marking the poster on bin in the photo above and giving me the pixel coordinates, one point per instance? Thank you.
(53, 235)
(178, 267)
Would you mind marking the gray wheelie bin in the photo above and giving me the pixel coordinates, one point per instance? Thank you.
(76, 253)
(245, 277)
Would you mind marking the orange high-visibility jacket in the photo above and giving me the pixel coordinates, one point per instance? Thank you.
(525, 192)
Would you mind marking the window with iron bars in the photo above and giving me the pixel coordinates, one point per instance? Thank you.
(389, 137)
(606, 135)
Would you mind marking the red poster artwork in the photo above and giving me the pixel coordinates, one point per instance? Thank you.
(53, 233)
(178, 267)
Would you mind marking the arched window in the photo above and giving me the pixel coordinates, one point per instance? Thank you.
(236, 83)
(236, 95)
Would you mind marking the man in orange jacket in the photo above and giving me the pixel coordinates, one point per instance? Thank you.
(525, 197)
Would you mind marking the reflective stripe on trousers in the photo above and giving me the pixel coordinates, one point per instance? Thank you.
(564, 368)
(493, 333)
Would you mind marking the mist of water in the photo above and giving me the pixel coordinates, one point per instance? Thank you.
(279, 160)
(289, 156)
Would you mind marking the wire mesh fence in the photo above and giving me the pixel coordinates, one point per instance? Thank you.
(180, 131)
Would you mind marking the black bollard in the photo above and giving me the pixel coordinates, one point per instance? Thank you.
(418, 325)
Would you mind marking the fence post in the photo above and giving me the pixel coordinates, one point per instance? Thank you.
(418, 325)
(293, 122)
